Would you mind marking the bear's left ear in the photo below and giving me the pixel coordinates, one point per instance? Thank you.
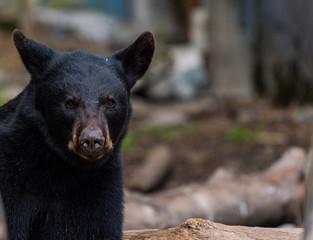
(136, 58)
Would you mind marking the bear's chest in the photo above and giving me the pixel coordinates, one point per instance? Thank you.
(63, 209)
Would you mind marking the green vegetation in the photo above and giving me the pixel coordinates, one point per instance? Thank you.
(129, 142)
(164, 134)
(153, 131)
(2, 99)
(240, 134)
(193, 128)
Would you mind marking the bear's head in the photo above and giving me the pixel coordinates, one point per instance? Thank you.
(82, 99)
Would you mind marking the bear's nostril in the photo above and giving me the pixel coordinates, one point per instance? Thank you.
(98, 144)
(85, 143)
(91, 141)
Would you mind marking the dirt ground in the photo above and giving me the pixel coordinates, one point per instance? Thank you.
(242, 137)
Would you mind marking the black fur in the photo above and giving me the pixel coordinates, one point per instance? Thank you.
(50, 190)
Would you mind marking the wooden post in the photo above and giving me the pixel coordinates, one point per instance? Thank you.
(230, 63)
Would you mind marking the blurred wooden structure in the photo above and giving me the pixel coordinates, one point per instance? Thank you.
(230, 59)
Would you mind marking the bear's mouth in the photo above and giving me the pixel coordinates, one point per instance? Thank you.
(91, 157)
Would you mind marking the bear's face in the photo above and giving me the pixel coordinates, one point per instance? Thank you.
(83, 98)
(87, 105)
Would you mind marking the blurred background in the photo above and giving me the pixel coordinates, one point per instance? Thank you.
(230, 84)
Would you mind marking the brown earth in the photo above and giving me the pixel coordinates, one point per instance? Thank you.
(242, 137)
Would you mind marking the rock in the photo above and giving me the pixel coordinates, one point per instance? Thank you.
(303, 114)
(153, 170)
(187, 84)
(160, 90)
(247, 115)
(288, 225)
(186, 79)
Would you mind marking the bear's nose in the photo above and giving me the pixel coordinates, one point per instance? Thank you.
(91, 141)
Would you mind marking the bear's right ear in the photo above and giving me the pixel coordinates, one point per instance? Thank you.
(35, 56)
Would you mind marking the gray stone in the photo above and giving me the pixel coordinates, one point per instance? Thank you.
(288, 225)
(187, 77)
(187, 85)
(247, 115)
(303, 114)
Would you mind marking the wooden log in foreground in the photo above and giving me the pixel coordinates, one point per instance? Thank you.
(198, 229)
(258, 199)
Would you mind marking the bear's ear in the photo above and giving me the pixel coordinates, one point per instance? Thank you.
(35, 56)
(136, 58)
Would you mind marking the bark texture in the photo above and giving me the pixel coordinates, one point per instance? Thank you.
(203, 229)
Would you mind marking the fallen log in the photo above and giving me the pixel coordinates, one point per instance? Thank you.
(259, 199)
(198, 229)
(153, 170)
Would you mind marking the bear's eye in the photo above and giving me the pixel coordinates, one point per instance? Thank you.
(70, 103)
(109, 102)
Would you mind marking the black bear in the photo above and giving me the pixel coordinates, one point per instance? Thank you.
(60, 141)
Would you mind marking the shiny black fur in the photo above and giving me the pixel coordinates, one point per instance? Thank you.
(49, 191)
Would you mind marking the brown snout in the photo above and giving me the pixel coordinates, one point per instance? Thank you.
(91, 141)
